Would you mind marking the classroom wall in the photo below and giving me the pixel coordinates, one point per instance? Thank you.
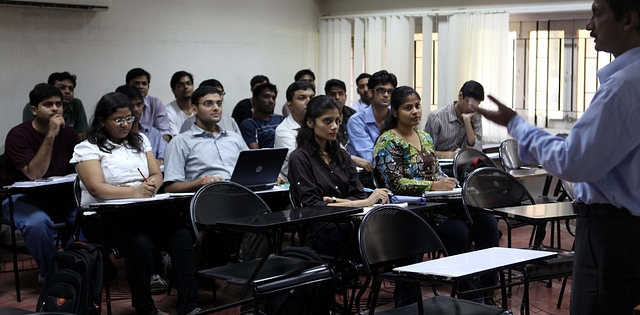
(229, 40)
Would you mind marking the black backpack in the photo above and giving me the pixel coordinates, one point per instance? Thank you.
(301, 300)
(74, 281)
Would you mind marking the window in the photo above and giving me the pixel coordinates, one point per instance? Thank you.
(434, 66)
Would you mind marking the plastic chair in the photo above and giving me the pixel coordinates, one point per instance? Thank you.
(466, 156)
(271, 274)
(389, 234)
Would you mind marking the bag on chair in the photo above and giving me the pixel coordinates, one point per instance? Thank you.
(74, 281)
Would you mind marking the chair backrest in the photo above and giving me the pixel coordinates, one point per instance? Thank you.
(223, 200)
(77, 191)
(464, 159)
(295, 204)
(568, 189)
(376, 176)
(390, 233)
(494, 188)
(509, 156)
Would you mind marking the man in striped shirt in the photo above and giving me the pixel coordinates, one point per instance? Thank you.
(457, 126)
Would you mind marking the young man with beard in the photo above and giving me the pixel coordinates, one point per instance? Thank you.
(180, 109)
(259, 131)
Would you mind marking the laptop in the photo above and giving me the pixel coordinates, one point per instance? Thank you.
(258, 169)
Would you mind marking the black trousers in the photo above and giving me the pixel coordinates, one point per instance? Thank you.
(606, 270)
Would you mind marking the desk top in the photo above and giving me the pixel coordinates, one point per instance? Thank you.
(273, 220)
(443, 193)
(473, 263)
(33, 184)
(528, 173)
(537, 213)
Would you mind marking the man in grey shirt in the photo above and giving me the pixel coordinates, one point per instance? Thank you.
(207, 153)
(457, 126)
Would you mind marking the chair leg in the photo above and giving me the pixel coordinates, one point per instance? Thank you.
(564, 284)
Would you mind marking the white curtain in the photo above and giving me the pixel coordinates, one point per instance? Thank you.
(474, 46)
(335, 51)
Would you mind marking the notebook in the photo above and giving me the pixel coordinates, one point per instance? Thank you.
(258, 169)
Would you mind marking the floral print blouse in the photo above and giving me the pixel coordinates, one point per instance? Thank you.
(405, 169)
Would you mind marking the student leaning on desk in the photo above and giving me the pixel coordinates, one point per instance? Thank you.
(406, 159)
(114, 163)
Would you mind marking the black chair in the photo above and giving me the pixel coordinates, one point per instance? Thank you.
(494, 188)
(464, 158)
(389, 234)
(263, 277)
(60, 228)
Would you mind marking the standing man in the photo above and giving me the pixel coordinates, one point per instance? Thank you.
(244, 108)
(363, 90)
(364, 126)
(35, 149)
(259, 131)
(74, 114)
(158, 145)
(153, 112)
(298, 95)
(180, 109)
(602, 157)
(457, 126)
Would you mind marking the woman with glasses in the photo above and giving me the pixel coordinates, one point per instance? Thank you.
(407, 164)
(117, 163)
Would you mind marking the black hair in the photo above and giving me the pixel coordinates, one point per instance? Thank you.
(43, 91)
(107, 105)
(332, 83)
(296, 86)
(212, 83)
(264, 86)
(302, 73)
(398, 97)
(317, 107)
(258, 79)
(382, 77)
(60, 76)
(130, 91)
(136, 72)
(177, 76)
(621, 7)
(363, 75)
(472, 89)
(203, 91)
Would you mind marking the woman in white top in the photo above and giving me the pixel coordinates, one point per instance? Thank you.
(110, 163)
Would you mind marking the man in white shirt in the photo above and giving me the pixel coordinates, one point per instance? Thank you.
(180, 108)
(298, 95)
(363, 90)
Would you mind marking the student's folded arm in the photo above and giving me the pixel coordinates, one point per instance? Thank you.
(91, 174)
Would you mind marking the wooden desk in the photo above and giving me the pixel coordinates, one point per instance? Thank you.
(470, 264)
(537, 215)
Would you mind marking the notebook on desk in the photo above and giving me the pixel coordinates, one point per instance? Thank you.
(258, 169)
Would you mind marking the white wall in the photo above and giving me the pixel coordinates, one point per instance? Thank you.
(229, 40)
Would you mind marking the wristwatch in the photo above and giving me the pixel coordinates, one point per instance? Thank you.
(334, 199)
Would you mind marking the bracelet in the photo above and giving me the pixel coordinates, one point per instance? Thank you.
(203, 179)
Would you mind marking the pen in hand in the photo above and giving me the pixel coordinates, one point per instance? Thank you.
(145, 179)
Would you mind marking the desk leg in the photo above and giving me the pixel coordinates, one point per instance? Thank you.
(14, 250)
(503, 290)
(105, 257)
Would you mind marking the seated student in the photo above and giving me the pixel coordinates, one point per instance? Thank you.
(153, 111)
(321, 173)
(259, 131)
(363, 90)
(298, 95)
(40, 148)
(457, 126)
(244, 108)
(207, 153)
(74, 115)
(225, 122)
(109, 163)
(158, 145)
(338, 90)
(408, 165)
(180, 109)
(303, 75)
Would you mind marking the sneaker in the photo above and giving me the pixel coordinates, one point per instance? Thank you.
(195, 311)
(158, 285)
(159, 312)
(166, 262)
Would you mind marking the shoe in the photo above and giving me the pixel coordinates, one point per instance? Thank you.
(41, 279)
(195, 311)
(159, 312)
(166, 262)
(158, 285)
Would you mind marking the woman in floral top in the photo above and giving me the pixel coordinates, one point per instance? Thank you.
(407, 164)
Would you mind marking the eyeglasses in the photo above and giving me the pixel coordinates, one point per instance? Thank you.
(128, 119)
(383, 91)
(210, 103)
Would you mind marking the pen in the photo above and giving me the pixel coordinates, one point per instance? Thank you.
(145, 179)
